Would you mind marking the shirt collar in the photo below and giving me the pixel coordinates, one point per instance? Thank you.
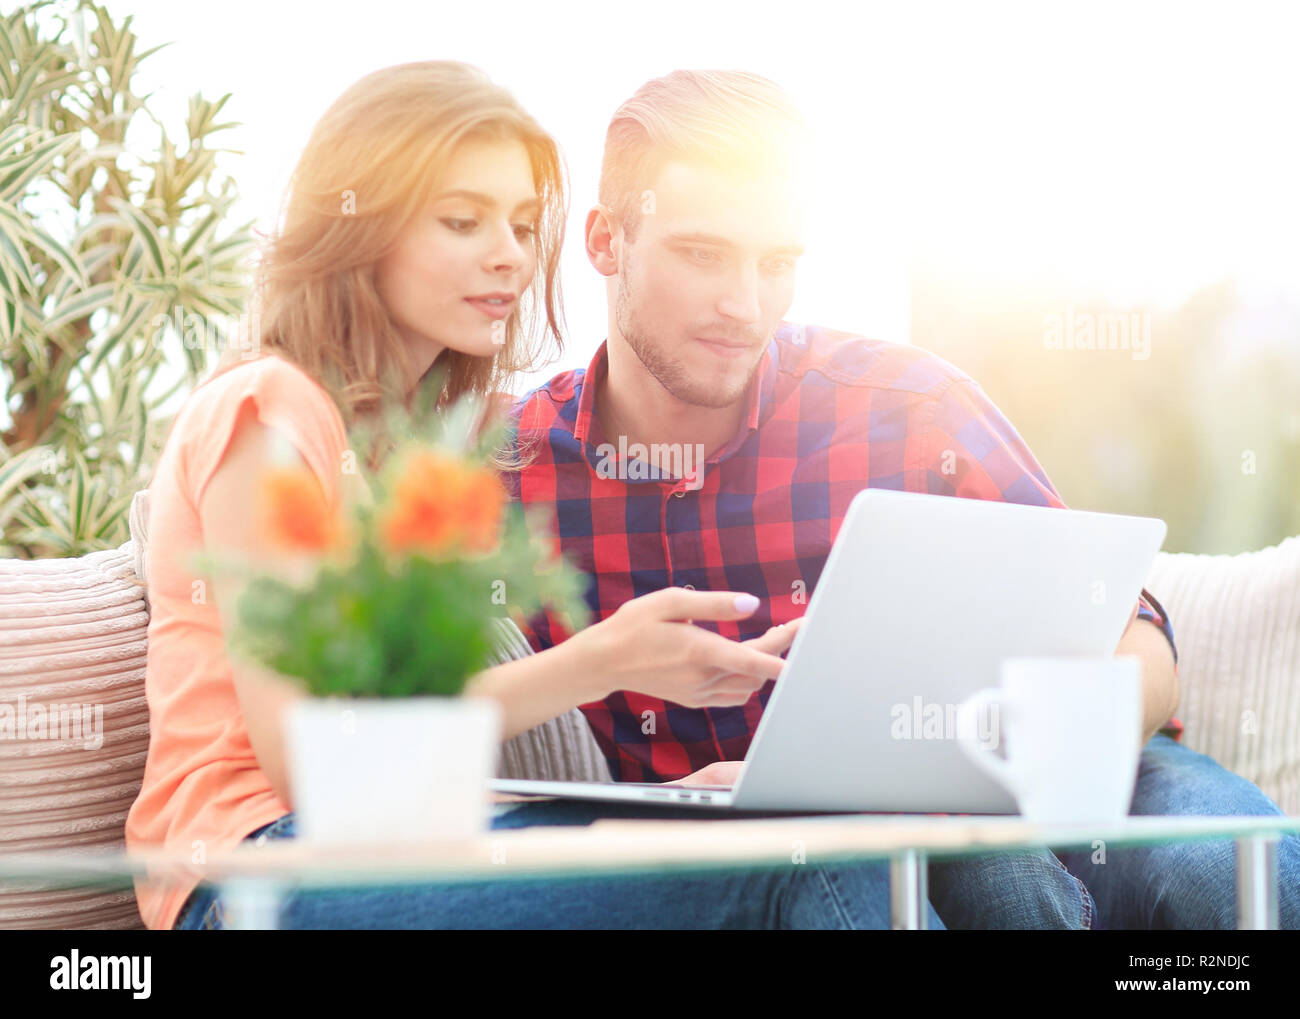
(586, 426)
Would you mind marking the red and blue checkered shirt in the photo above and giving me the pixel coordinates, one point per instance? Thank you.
(828, 415)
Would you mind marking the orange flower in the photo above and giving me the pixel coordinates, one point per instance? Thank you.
(483, 504)
(439, 501)
(294, 512)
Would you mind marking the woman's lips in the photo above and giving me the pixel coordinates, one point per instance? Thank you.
(491, 310)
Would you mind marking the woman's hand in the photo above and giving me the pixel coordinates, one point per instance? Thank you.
(649, 645)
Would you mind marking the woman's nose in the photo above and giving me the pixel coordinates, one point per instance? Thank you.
(507, 251)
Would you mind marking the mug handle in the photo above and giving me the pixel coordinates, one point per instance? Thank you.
(1002, 771)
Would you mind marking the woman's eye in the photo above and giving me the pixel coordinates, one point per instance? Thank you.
(525, 230)
(459, 225)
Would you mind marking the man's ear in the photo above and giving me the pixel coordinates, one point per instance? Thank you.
(603, 238)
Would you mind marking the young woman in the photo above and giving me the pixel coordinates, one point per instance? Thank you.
(422, 226)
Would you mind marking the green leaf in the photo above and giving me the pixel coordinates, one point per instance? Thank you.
(18, 171)
(132, 316)
(146, 231)
(81, 305)
(17, 470)
(62, 256)
(199, 235)
(202, 117)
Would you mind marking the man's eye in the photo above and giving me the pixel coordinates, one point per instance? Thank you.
(459, 225)
(780, 265)
(700, 255)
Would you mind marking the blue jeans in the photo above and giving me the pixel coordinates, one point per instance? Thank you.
(1027, 890)
(801, 896)
(1184, 885)
(1171, 886)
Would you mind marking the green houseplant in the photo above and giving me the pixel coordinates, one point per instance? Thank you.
(397, 611)
(120, 274)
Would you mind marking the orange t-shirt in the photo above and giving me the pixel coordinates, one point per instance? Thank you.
(202, 783)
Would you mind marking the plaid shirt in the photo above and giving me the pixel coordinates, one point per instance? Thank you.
(828, 415)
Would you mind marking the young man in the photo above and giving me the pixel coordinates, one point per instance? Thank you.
(711, 445)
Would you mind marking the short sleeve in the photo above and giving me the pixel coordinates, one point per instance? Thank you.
(284, 398)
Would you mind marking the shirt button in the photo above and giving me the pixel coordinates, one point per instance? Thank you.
(689, 587)
(679, 494)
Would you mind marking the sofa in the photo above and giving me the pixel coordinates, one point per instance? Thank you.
(75, 631)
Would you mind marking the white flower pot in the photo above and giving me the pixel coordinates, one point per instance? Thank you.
(385, 771)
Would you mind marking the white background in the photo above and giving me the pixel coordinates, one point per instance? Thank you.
(1133, 151)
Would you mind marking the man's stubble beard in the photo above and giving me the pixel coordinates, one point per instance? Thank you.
(671, 374)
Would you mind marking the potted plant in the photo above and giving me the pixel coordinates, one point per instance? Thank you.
(385, 630)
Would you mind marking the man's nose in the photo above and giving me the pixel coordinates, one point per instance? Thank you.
(740, 302)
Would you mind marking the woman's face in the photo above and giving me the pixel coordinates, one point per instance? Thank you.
(458, 270)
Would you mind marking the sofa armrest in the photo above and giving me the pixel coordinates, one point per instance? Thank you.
(1237, 622)
(561, 750)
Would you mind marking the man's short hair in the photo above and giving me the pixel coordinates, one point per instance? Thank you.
(722, 119)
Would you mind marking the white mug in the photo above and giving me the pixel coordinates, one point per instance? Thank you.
(1072, 728)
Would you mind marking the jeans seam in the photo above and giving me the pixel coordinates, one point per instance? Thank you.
(215, 918)
(1086, 899)
(1085, 896)
(828, 889)
(276, 826)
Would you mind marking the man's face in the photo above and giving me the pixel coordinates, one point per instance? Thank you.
(708, 278)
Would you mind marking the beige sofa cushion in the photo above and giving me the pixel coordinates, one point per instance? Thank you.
(72, 633)
(1236, 621)
(561, 750)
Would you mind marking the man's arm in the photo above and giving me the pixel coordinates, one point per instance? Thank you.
(1147, 642)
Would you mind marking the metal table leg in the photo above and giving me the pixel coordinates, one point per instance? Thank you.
(908, 891)
(1257, 883)
(251, 904)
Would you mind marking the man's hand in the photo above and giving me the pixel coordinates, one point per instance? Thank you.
(723, 773)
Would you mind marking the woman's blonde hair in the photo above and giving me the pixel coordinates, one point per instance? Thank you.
(370, 166)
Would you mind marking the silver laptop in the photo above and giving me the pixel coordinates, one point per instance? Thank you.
(921, 599)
